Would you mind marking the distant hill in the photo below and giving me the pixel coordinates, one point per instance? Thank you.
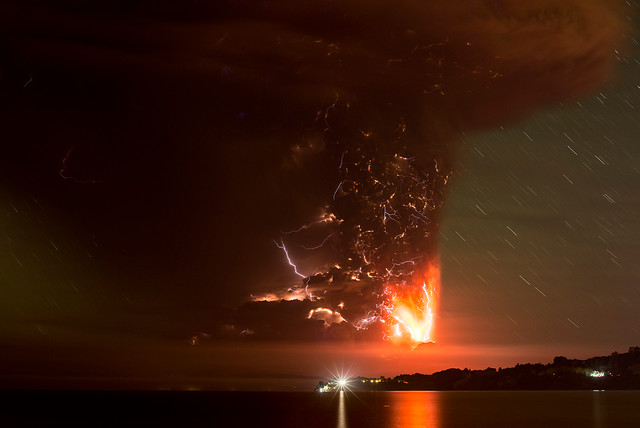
(615, 371)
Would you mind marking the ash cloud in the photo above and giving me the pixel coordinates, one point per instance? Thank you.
(435, 72)
(253, 117)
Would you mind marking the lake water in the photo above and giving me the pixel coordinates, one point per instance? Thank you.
(430, 409)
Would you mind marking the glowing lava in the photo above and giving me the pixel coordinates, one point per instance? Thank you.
(410, 310)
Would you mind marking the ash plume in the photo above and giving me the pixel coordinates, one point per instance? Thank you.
(409, 79)
(330, 125)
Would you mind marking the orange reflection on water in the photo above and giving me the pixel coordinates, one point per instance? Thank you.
(415, 409)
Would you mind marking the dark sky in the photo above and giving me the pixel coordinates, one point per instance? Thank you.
(153, 151)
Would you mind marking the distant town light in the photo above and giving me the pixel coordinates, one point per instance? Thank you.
(596, 373)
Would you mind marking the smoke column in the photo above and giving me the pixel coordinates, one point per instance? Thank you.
(405, 79)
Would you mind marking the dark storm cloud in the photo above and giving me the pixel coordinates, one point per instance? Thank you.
(180, 122)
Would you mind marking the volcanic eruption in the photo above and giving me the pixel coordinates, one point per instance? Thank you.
(395, 85)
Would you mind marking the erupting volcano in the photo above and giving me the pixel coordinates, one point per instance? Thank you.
(377, 232)
(238, 194)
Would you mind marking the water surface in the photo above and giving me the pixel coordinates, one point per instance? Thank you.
(432, 409)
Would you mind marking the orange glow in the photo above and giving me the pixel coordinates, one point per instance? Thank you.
(410, 309)
(416, 409)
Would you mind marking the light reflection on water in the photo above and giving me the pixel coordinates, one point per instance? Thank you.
(429, 409)
(495, 409)
(597, 410)
(342, 417)
(411, 409)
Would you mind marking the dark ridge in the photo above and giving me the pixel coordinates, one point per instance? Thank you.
(615, 371)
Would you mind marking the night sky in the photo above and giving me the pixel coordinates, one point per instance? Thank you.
(156, 153)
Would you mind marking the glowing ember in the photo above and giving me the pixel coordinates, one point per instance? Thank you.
(409, 312)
